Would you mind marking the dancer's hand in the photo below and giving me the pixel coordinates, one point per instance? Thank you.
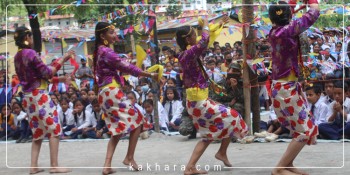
(74, 129)
(224, 20)
(68, 55)
(154, 76)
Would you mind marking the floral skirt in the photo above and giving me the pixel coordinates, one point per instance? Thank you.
(291, 110)
(121, 116)
(43, 116)
(215, 121)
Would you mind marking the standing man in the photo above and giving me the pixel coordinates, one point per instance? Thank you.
(84, 73)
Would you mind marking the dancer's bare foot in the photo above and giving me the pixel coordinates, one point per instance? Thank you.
(132, 163)
(193, 170)
(59, 170)
(282, 171)
(108, 171)
(224, 159)
(295, 170)
(35, 170)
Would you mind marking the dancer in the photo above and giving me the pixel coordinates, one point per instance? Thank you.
(43, 117)
(213, 120)
(288, 101)
(121, 116)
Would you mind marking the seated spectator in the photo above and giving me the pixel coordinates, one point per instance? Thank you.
(81, 119)
(21, 120)
(7, 118)
(163, 117)
(337, 116)
(101, 127)
(316, 106)
(65, 115)
(173, 106)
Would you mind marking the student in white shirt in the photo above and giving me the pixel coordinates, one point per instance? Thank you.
(173, 106)
(163, 117)
(81, 119)
(21, 121)
(212, 72)
(316, 106)
(338, 115)
(65, 115)
(329, 87)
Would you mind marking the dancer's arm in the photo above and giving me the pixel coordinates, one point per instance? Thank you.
(118, 63)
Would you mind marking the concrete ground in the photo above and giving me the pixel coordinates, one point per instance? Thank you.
(168, 154)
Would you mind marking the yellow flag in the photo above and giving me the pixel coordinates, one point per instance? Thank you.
(64, 44)
(259, 60)
(140, 55)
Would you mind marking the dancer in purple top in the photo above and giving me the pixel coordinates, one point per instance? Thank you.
(43, 117)
(213, 120)
(289, 102)
(121, 116)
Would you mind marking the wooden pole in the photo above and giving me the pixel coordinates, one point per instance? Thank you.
(154, 61)
(251, 89)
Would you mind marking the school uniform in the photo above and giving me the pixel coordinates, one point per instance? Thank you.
(80, 123)
(174, 109)
(215, 75)
(333, 130)
(319, 110)
(21, 121)
(163, 118)
(66, 120)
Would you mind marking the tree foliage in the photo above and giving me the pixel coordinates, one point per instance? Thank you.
(173, 10)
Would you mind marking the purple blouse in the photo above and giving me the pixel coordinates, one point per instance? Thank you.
(31, 69)
(192, 73)
(284, 42)
(108, 65)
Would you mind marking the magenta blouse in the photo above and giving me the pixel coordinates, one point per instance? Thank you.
(31, 69)
(192, 73)
(108, 65)
(284, 43)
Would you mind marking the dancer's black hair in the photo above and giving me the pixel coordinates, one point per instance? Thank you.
(280, 13)
(20, 34)
(181, 34)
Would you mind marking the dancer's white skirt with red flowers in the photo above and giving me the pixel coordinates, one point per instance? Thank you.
(121, 116)
(215, 121)
(43, 116)
(291, 110)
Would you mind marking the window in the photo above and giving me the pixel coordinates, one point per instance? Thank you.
(67, 22)
(59, 23)
(198, 2)
(50, 24)
(188, 5)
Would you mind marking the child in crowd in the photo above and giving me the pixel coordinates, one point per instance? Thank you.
(173, 106)
(163, 118)
(21, 119)
(316, 105)
(81, 119)
(337, 117)
(145, 89)
(97, 114)
(65, 114)
(84, 97)
(329, 87)
(7, 122)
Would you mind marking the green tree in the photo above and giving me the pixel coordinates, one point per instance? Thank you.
(173, 10)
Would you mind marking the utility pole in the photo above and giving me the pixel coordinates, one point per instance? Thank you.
(250, 79)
